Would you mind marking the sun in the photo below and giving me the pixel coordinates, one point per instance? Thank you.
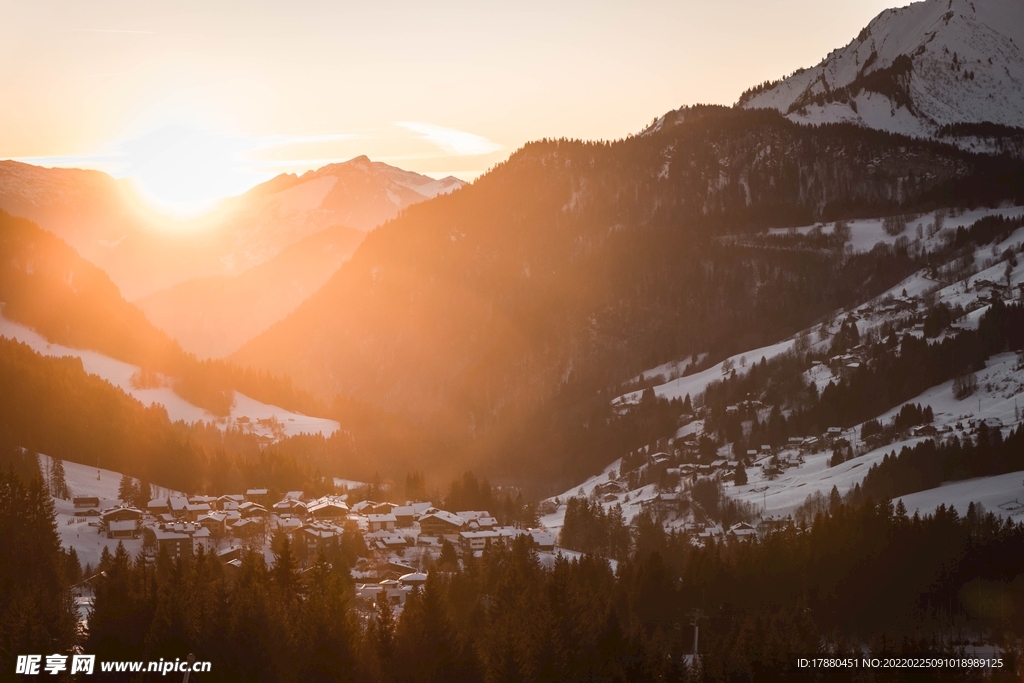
(186, 171)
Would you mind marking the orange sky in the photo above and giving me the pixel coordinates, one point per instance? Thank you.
(244, 90)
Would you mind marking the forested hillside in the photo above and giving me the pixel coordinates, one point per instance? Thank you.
(52, 406)
(574, 265)
(45, 285)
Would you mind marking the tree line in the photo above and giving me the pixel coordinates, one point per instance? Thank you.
(858, 575)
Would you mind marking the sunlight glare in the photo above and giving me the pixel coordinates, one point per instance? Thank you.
(186, 171)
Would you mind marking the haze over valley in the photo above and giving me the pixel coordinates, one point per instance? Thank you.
(555, 404)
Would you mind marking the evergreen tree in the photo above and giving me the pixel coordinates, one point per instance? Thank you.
(741, 474)
(448, 560)
(37, 613)
(326, 631)
(381, 638)
(74, 567)
(126, 490)
(119, 619)
(58, 481)
(837, 457)
(285, 572)
(143, 494)
(834, 499)
(415, 486)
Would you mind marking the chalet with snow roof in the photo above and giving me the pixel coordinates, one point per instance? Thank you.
(121, 522)
(193, 511)
(181, 539)
(742, 530)
(477, 519)
(477, 540)
(290, 506)
(405, 515)
(316, 537)
(178, 505)
(327, 508)
(381, 522)
(230, 501)
(246, 527)
(249, 509)
(86, 502)
(387, 541)
(441, 523)
(260, 496)
(216, 522)
(364, 507)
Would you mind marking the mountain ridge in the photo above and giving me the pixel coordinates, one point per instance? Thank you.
(482, 305)
(213, 316)
(105, 221)
(913, 70)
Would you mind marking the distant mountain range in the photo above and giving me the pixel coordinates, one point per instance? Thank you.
(217, 281)
(919, 70)
(105, 222)
(359, 194)
(213, 316)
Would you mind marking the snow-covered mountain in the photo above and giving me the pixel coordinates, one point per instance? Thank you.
(913, 70)
(358, 193)
(104, 220)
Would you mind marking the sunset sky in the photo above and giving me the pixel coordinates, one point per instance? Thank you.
(197, 100)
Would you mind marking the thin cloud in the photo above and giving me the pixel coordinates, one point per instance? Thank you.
(108, 30)
(283, 140)
(451, 141)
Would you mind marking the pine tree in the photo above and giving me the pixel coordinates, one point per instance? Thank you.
(327, 630)
(37, 613)
(448, 561)
(117, 621)
(834, 500)
(741, 474)
(58, 482)
(382, 635)
(126, 489)
(285, 572)
(143, 494)
(74, 567)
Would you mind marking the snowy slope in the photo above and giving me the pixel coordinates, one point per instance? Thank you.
(999, 398)
(1001, 391)
(1002, 494)
(119, 374)
(913, 69)
(76, 531)
(358, 193)
(865, 234)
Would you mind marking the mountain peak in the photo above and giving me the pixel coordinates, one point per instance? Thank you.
(913, 70)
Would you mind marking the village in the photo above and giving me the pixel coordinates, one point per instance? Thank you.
(395, 544)
(398, 544)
